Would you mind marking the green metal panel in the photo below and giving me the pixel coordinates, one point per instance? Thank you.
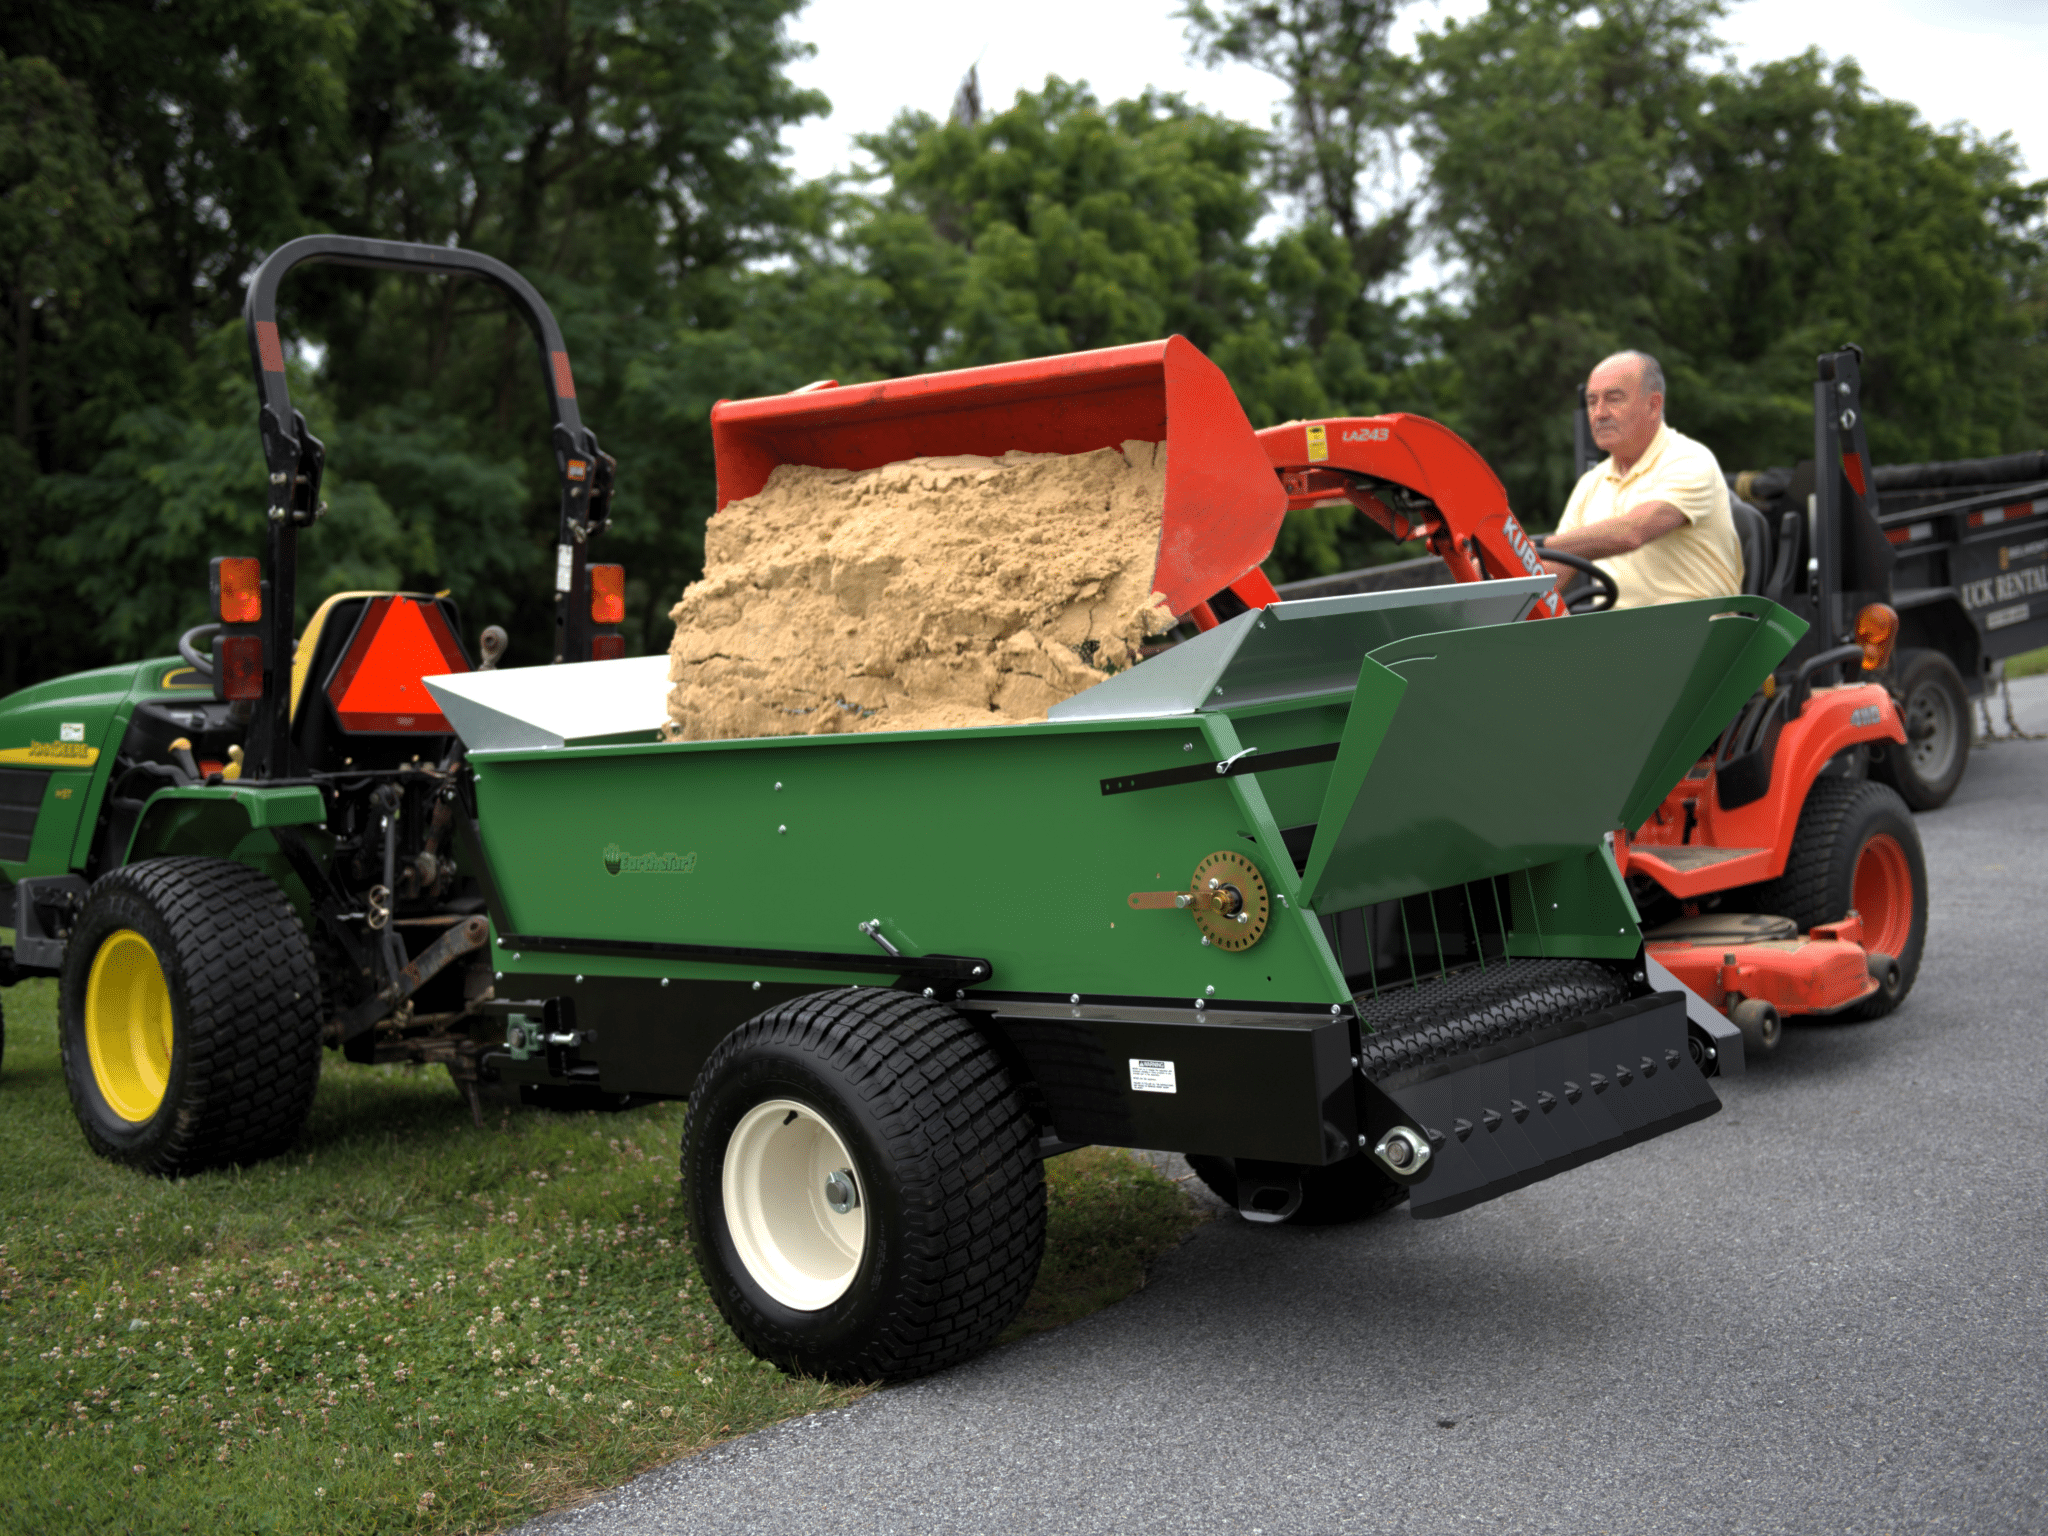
(1519, 745)
(254, 804)
(994, 843)
(73, 725)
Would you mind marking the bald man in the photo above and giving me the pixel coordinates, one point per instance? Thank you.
(1654, 516)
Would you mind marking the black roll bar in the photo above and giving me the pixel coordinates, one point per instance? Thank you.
(296, 458)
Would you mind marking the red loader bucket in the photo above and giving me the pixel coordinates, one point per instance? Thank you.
(1223, 501)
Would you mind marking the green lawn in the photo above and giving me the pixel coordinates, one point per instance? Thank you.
(406, 1324)
(2027, 664)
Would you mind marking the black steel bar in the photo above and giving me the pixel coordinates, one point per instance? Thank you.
(936, 967)
(1202, 773)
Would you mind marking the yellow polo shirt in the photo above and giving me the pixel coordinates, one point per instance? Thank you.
(1701, 559)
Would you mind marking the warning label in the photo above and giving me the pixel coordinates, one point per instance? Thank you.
(1151, 1076)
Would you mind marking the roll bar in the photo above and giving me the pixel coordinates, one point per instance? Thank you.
(297, 459)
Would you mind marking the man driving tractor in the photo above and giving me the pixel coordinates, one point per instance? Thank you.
(1654, 515)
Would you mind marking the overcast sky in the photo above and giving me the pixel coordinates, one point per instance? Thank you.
(1980, 61)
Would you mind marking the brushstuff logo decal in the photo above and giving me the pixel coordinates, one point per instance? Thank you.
(618, 862)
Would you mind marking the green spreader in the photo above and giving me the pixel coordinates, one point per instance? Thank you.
(1319, 897)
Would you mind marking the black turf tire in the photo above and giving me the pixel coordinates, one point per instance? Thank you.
(1348, 1191)
(946, 1157)
(245, 1015)
(1839, 818)
(1931, 695)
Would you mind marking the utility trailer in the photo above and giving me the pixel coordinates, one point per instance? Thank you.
(1970, 585)
(1326, 896)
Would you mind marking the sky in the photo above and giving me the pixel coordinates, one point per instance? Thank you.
(1980, 61)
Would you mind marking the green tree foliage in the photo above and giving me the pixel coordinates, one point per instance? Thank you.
(1603, 184)
(1595, 177)
(622, 156)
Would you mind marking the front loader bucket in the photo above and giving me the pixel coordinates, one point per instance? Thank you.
(1223, 502)
(1481, 751)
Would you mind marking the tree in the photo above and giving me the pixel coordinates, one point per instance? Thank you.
(1605, 185)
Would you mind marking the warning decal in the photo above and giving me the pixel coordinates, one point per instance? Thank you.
(1151, 1076)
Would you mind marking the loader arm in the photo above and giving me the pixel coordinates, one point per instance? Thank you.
(1418, 480)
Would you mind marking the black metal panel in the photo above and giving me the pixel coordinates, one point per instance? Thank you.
(1524, 1109)
(21, 801)
(644, 1037)
(1279, 1091)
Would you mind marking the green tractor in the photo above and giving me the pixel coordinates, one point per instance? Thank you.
(231, 856)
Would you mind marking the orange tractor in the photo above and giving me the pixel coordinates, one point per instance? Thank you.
(1777, 880)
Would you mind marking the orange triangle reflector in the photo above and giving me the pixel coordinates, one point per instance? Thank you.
(377, 687)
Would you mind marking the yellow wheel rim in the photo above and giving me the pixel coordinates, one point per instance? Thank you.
(128, 1026)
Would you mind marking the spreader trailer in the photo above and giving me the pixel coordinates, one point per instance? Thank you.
(1319, 897)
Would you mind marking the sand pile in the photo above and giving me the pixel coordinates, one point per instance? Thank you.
(935, 592)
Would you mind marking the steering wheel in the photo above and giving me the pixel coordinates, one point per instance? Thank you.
(188, 647)
(1604, 593)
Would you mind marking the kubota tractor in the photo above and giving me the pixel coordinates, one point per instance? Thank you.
(1777, 879)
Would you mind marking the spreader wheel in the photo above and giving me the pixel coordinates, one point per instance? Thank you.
(1857, 847)
(863, 1185)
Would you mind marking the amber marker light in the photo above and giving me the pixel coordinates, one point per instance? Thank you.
(607, 594)
(1877, 627)
(237, 582)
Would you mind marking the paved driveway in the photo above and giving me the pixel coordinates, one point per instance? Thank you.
(1825, 1309)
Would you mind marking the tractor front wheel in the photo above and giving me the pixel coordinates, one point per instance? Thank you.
(189, 1017)
(863, 1185)
(1857, 848)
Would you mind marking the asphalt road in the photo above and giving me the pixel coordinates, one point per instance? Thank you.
(1823, 1310)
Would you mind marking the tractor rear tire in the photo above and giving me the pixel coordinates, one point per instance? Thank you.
(863, 1185)
(1935, 707)
(189, 1017)
(1348, 1191)
(1857, 847)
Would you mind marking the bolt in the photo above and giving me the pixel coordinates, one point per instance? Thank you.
(1364, 1142)
(928, 993)
(1075, 998)
(1208, 991)
(515, 955)
(579, 981)
(840, 1191)
(664, 981)
(1205, 941)
(1199, 1004)
(757, 986)
(497, 976)
(1187, 746)
(1334, 1008)
(501, 943)
(778, 785)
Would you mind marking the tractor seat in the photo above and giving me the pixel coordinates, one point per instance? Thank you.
(356, 694)
(1753, 533)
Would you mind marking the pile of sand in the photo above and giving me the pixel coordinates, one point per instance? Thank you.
(931, 593)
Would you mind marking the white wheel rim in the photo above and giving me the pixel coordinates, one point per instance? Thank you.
(795, 1246)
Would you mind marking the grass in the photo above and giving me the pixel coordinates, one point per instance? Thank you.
(2027, 663)
(405, 1324)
